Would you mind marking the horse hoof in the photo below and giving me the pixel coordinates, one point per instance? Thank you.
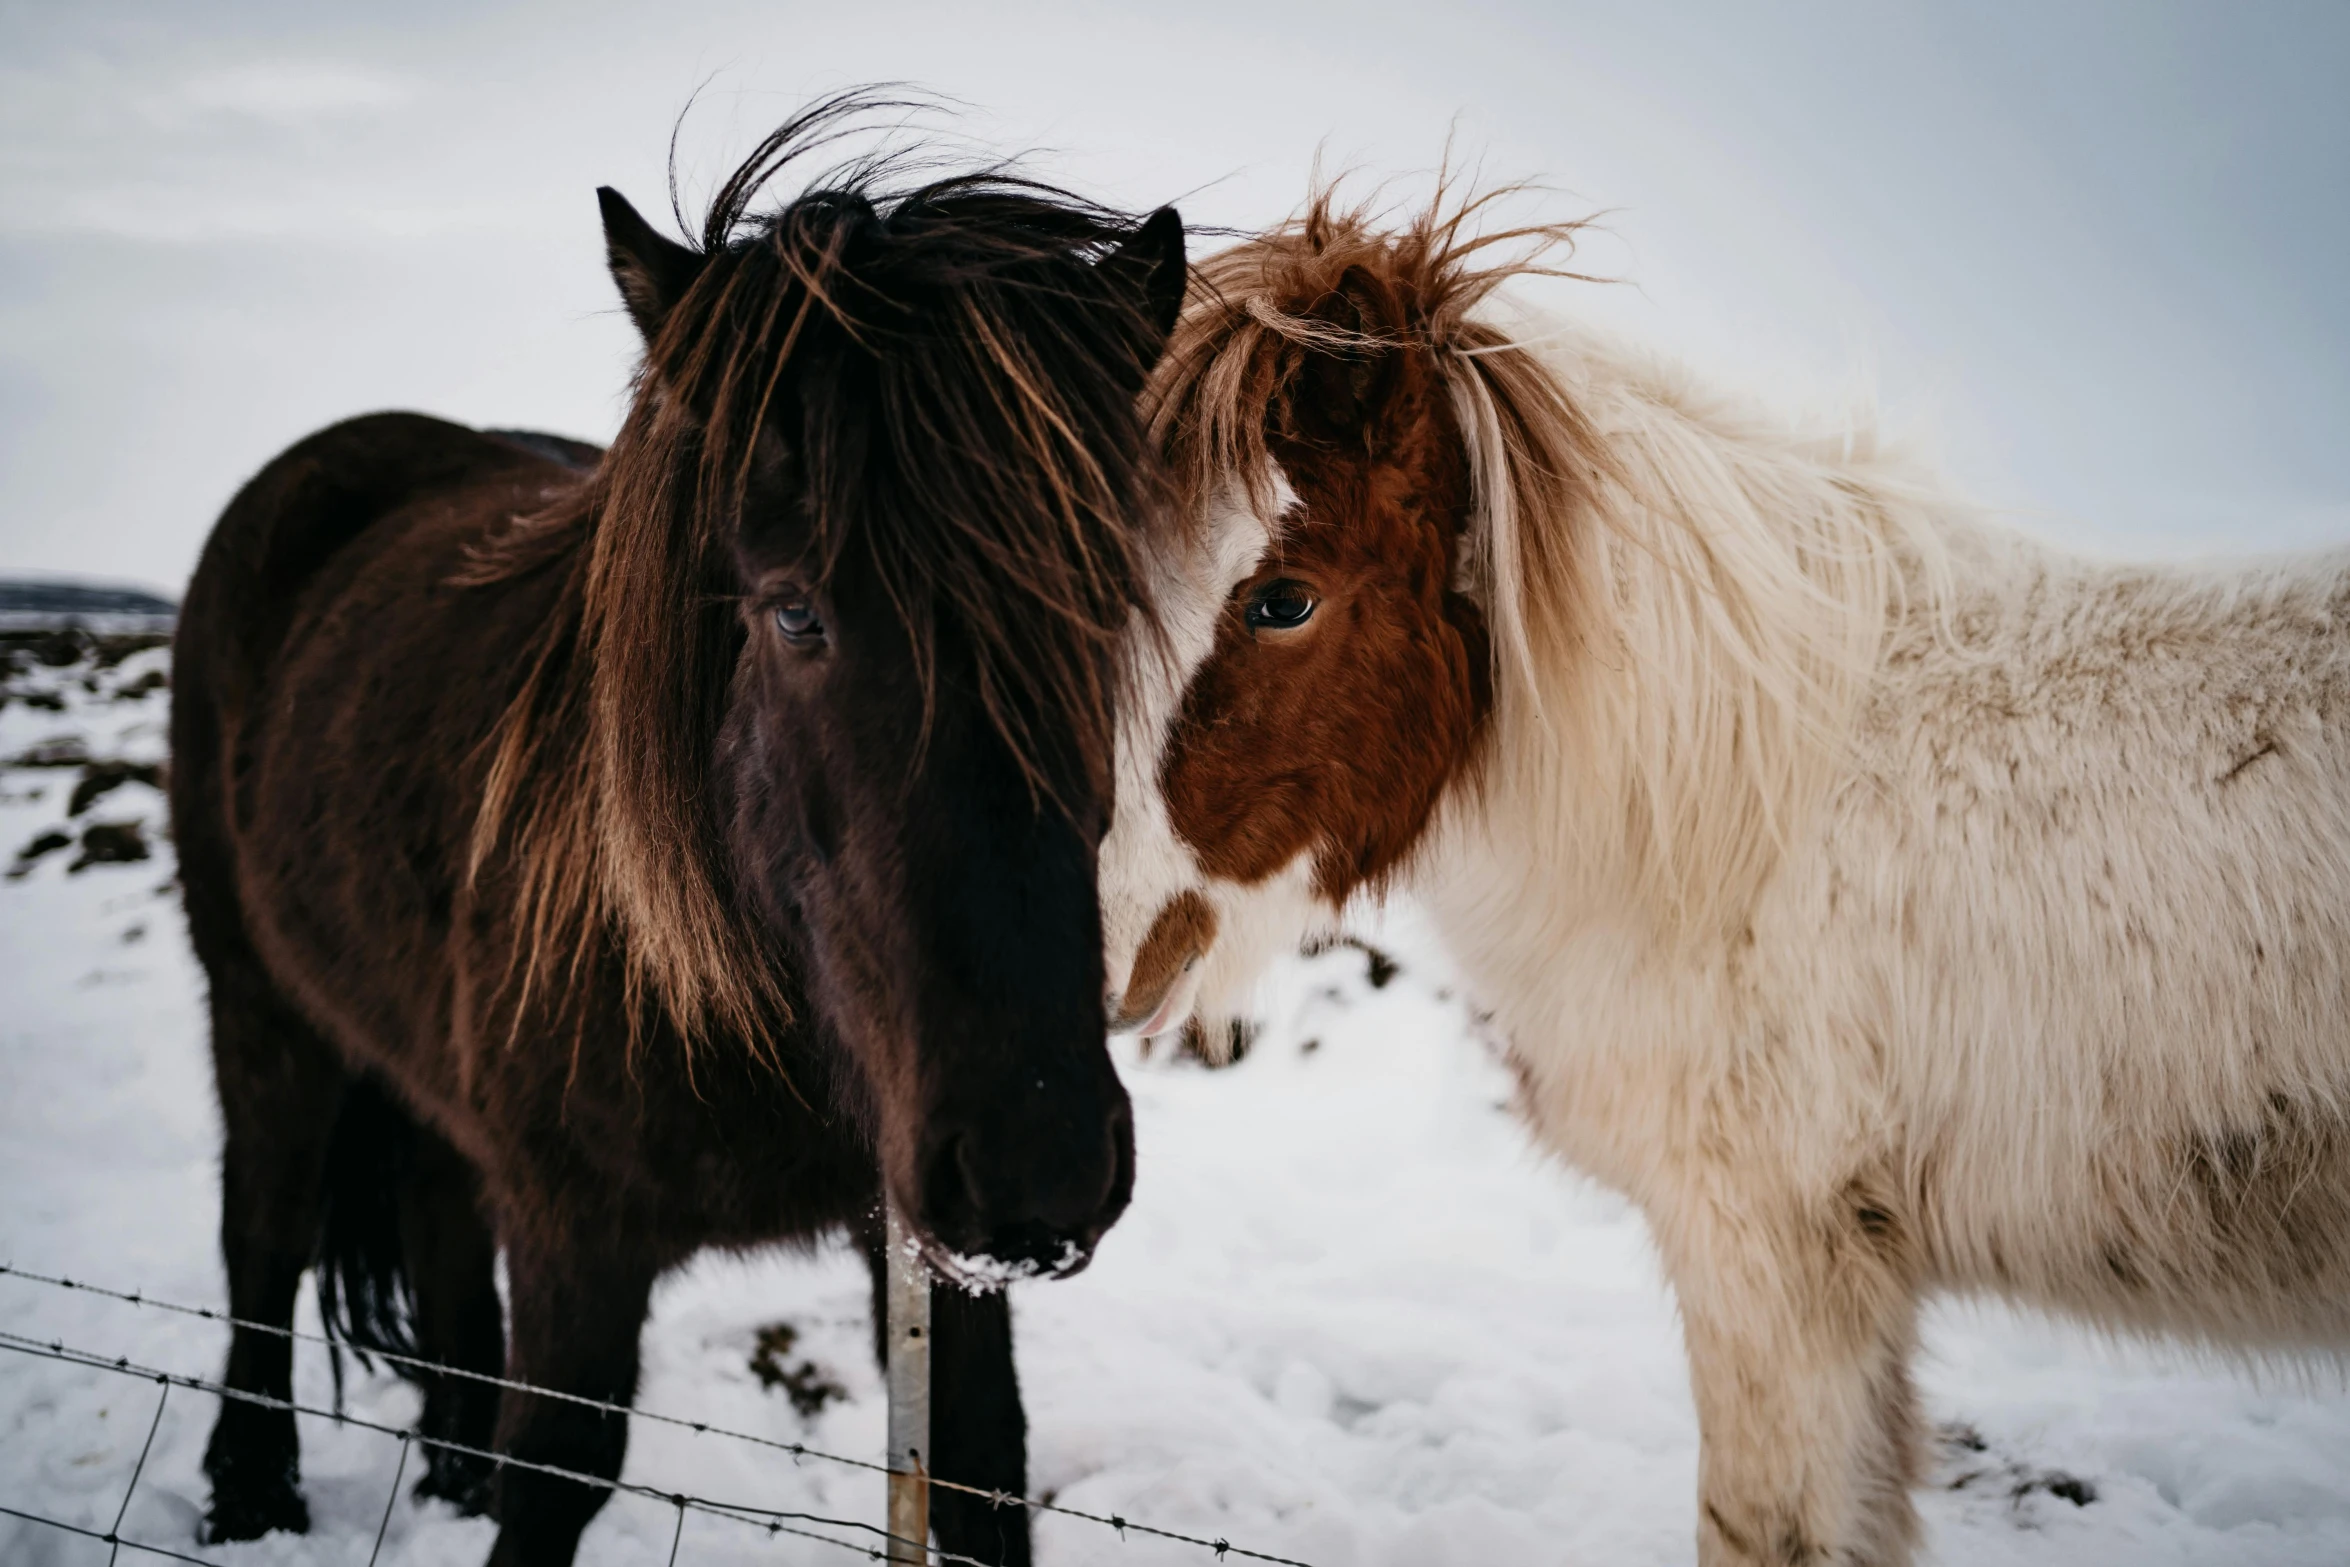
(247, 1510)
(256, 1474)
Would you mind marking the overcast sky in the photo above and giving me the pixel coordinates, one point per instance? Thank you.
(2095, 253)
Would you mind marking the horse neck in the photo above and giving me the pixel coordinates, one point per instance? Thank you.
(1675, 685)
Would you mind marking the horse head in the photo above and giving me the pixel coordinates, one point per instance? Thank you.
(889, 445)
(1322, 677)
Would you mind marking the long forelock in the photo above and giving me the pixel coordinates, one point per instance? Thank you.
(1256, 312)
(996, 401)
(1536, 463)
(988, 467)
(1685, 601)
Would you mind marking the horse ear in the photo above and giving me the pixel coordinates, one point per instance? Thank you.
(652, 270)
(1151, 263)
(1336, 392)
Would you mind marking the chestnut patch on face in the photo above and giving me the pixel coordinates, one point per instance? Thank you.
(1338, 734)
(1183, 931)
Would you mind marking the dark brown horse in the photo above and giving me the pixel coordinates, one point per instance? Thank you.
(602, 856)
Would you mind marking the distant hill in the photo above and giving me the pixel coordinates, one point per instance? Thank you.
(48, 603)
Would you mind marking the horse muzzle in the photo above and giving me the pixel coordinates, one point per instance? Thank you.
(1010, 1195)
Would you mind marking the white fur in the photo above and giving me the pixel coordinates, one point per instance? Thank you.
(1888, 904)
(1141, 853)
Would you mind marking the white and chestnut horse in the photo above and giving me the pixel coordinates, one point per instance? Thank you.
(1886, 904)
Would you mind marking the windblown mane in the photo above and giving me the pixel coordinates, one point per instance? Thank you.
(1250, 325)
(1686, 597)
(955, 406)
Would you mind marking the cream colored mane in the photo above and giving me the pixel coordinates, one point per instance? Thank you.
(1686, 599)
(1681, 641)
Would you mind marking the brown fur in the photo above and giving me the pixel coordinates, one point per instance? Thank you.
(599, 783)
(1326, 350)
(485, 823)
(1184, 929)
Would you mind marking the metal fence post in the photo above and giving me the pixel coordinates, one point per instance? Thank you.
(909, 1395)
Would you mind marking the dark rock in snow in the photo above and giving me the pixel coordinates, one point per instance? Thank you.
(33, 853)
(110, 843)
(102, 778)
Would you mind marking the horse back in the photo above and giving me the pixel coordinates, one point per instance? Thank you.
(2103, 864)
(333, 689)
(348, 665)
(300, 511)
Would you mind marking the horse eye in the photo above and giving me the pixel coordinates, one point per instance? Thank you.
(1279, 606)
(797, 619)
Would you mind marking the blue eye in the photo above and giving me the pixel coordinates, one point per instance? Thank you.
(797, 619)
(1280, 606)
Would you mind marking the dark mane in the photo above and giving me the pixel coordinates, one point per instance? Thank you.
(939, 364)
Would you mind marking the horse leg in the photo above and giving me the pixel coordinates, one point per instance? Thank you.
(1799, 1328)
(576, 1321)
(451, 1261)
(978, 1430)
(279, 1087)
(1892, 1459)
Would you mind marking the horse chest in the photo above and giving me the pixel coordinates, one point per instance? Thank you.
(726, 1154)
(1646, 1066)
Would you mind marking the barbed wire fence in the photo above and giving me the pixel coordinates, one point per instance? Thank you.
(846, 1534)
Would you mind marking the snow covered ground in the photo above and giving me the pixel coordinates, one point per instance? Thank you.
(1352, 1317)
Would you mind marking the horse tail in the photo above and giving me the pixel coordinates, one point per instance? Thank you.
(365, 1294)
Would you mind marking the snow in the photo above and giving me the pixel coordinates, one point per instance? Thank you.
(1353, 1316)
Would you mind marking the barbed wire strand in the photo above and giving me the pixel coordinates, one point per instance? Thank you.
(1221, 1547)
(768, 1518)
